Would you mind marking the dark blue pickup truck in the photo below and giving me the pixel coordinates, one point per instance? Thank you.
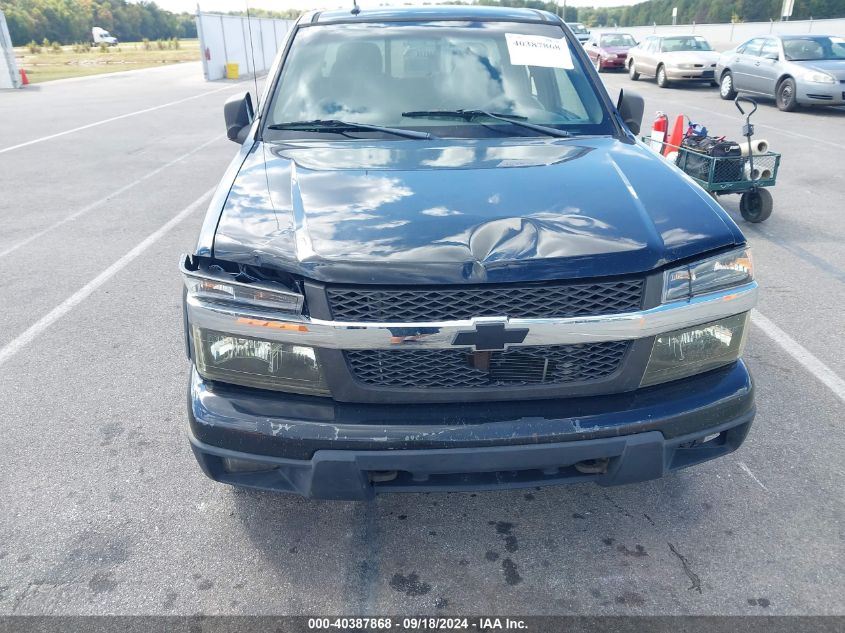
(442, 261)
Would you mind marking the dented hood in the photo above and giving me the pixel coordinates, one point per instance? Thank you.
(465, 211)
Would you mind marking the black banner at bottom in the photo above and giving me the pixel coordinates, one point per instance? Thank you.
(413, 624)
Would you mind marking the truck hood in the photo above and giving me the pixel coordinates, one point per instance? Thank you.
(465, 211)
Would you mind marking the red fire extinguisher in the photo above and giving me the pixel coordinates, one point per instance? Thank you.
(658, 131)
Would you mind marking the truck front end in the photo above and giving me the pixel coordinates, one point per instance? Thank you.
(397, 289)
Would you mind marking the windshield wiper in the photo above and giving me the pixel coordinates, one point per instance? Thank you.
(335, 125)
(469, 115)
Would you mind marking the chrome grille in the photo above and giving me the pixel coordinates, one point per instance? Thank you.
(553, 299)
(462, 369)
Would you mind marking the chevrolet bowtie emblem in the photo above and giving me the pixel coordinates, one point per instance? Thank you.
(490, 337)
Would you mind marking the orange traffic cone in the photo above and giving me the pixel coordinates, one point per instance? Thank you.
(676, 136)
(24, 78)
(658, 132)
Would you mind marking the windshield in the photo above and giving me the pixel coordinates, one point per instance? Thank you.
(577, 28)
(814, 48)
(686, 43)
(373, 73)
(618, 39)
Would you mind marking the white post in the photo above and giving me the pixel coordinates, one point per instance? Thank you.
(263, 53)
(203, 45)
(9, 75)
(248, 50)
(225, 49)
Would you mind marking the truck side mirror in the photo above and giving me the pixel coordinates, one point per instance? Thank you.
(239, 114)
(631, 107)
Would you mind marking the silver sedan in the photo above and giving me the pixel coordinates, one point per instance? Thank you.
(794, 69)
(673, 58)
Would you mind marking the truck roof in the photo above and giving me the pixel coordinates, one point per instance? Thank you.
(434, 12)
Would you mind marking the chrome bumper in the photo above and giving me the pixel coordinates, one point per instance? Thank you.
(442, 334)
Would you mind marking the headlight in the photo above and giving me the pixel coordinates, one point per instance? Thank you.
(223, 291)
(697, 349)
(728, 270)
(217, 285)
(255, 362)
(685, 66)
(817, 77)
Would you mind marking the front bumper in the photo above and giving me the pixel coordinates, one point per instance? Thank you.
(821, 94)
(325, 449)
(690, 74)
(613, 62)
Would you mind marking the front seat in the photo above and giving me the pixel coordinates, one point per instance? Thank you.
(357, 76)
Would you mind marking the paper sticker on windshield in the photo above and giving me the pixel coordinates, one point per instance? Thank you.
(536, 50)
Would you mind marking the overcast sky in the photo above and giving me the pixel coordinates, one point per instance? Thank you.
(236, 5)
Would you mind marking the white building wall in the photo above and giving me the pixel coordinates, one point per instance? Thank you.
(226, 38)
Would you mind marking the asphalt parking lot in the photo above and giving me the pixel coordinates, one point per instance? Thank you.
(104, 181)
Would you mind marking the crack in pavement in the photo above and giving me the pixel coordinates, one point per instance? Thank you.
(696, 581)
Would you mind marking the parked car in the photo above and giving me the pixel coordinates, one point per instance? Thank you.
(609, 50)
(673, 58)
(794, 69)
(581, 31)
(441, 261)
(101, 36)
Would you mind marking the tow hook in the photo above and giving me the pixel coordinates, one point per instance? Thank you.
(593, 466)
(381, 476)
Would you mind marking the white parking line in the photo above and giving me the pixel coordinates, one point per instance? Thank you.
(37, 328)
(114, 118)
(750, 474)
(104, 199)
(801, 354)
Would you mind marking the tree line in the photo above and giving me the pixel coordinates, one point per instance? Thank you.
(70, 21)
(708, 12)
(689, 11)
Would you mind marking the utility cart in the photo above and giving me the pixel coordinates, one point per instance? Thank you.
(747, 175)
